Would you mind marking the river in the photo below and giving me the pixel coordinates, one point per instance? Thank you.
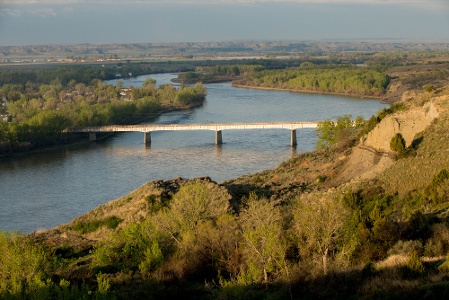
(43, 190)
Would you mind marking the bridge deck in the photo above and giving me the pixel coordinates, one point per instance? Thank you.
(211, 126)
(218, 128)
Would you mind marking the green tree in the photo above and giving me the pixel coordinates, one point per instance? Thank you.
(149, 82)
(264, 245)
(153, 258)
(196, 202)
(331, 132)
(22, 266)
(398, 145)
(318, 224)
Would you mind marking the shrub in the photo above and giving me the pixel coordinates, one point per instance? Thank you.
(440, 178)
(414, 267)
(419, 225)
(438, 189)
(444, 267)
(438, 244)
(22, 267)
(153, 258)
(406, 248)
(429, 88)
(104, 287)
(433, 248)
(374, 120)
(321, 178)
(369, 270)
(330, 132)
(397, 144)
(390, 110)
(91, 226)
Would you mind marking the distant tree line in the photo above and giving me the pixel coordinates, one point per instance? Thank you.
(208, 74)
(351, 80)
(79, 73)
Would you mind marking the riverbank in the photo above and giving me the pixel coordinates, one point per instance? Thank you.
(204, 81)
(306, 91)
(85, 140)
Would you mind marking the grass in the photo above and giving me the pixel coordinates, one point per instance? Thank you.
(432, 155)
(91, 226)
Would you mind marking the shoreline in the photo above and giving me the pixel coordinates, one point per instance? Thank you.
(306, 92)
(179, 81)
(86, 141)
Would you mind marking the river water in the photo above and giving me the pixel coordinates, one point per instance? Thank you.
(46, 189)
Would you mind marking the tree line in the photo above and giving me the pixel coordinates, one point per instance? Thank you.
(351, 80)
(218, 73)
(80, 73)
(40, 112)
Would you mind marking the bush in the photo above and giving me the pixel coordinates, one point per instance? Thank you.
(429, 88)
(330, 132)
(397, 144)
(22, 267)
(374, 120)
(414, 267)
(91, 226)
(440, 178)
(438, 244)
(153, 258)
(444, 267)
(437, 191)
(406, 248)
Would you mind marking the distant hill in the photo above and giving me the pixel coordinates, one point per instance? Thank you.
(149, 49)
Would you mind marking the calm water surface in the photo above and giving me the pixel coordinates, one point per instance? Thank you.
(46, 189)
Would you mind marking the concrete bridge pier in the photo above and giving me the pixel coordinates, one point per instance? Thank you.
(92, 136)
(293, 141)
(218, 137)
(147, 138)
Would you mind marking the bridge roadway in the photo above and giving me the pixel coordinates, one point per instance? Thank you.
(217, 127)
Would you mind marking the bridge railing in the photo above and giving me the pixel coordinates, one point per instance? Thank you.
(217, 127)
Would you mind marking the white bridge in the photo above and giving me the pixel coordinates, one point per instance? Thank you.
(218, 128)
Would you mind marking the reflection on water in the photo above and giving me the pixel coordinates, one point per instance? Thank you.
(45, 189)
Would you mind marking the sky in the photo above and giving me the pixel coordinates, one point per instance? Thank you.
(38, 22)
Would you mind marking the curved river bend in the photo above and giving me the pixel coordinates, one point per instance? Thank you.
(46, 189)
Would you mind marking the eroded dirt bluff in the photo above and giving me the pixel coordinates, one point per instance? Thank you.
(404, 79)
(373, 155)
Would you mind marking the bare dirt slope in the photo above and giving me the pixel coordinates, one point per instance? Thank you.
(404, 80)
(373, 155)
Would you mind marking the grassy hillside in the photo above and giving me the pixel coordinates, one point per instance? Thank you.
(351, 220)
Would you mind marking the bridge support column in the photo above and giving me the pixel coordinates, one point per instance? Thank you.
(147, 138)
(218, 138)
(92, 136)
(293, 141)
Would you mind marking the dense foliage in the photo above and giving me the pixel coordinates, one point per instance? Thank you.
(40, 112)
(219, 73)
(332, 132)
(79, 73)
(359, 81)
(195, 244)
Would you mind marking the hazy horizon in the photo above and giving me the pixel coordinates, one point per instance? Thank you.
(31, 22)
